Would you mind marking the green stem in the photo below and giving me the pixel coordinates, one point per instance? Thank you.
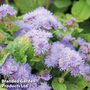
(7, 2)
(64, 74)
(37, 3)
(47, 4)
(61, 79)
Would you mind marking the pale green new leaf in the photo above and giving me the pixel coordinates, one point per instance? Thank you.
(86, 36)
(3, 89)
(81, 10)
(2, 60)
(26, 5)
(88, 86)
(18, 49)
(78, 83)
(62, 3)
(88, 2)
(58, 86)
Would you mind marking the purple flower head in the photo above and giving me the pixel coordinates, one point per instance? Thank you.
(34, 81)
(68, 38)
(75, 71)
(46, 76)
(6, 10)
(63, 57)
(83, 55)
(88, 57)
(22, 24)
(44, 86)
(71, 21)
(21, 32)
(42, 19)
(32, 88)
(84, 49)
(69, 58)
(13, 89)
(9, 67)
(51, 59)
(67, 41)
(34, 78)
(85, 70)
(2, 46)
(40, 40)
(81, 41)
(23, 73)
(88, 44)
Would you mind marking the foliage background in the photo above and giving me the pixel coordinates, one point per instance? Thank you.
(80, 9)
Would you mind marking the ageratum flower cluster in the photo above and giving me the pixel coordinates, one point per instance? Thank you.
(40, 19)
(35, 25)
(22, 72)
(66, 59)
(39, 27)
(40, 40)
(7, 10)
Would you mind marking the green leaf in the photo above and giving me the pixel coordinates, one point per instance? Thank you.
(3, 56)
(86, 36)
(86, 26)
(77, 32)
(2, 60)
(77, 83)
(39, 66)
(35, 59)
(26, 6)
(88, 86)
(81, 10)
(30, 52)
(5, 37)
(75, 43)
(88, 2)
(18, 49)
(58, 86)
(57, 34)
(62, 3)
(2, 36)
(3, 89)
(41, 2)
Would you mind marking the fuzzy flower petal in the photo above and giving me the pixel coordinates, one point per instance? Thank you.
(40, 40)
(46, 76)
(63, 57)
(23, 73)
(5, 10)
(9, 67)
(44, 86)
(42, 19)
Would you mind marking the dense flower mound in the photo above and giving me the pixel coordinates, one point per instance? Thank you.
(40, 40)
(65, 59)
(23, 72)
(39, 51)
(42, 19)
